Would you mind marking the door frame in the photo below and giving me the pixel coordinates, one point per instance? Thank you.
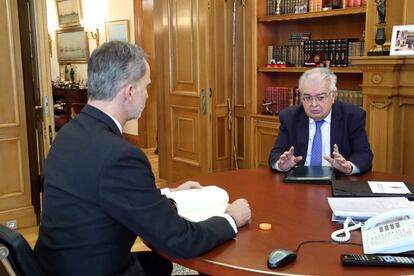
(38, 90)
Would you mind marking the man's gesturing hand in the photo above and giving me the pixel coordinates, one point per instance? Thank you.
(287, 160)
(338, 161)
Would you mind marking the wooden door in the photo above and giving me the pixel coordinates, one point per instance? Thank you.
(221, 84)
(15, 191)
(228, 77)
(185, 132)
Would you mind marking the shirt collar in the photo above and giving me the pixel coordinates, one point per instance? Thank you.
(327, 118)
(115, 120)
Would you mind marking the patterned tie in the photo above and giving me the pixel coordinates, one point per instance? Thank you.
(316, 154)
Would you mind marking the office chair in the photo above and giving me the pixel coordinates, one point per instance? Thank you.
(16, 254)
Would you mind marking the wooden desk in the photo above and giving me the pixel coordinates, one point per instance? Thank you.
(297, 212)
(71, 96)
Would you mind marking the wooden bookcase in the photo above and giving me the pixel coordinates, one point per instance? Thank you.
(274, 30)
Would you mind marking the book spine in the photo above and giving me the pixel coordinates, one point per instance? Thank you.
(344, 53)
(269, 54)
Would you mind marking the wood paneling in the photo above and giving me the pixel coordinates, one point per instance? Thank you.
(264, 132)
(183, 32)
(144, 37)
(11, 171)
(15, 195)
(388, 88)
(221, 85)
(184, 26)
(197, 59)
(186, 137)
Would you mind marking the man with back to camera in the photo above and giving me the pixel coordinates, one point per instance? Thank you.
(99, 190)
(310, 132)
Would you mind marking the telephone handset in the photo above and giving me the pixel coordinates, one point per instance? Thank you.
(389, 216)
(389, 232)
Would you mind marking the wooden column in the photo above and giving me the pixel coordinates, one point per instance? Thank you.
(388, 88)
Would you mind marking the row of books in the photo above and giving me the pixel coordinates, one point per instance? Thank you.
(278, 98)
(330, 53)
(302, 6)
(291, 54)
(350, 96)
(323, 5)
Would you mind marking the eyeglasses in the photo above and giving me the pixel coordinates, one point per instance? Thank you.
(321, 98)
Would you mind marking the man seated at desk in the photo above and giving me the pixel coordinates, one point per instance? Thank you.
(310, 132)
(99, 190)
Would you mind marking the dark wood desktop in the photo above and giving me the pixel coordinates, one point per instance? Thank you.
(74, 99)
(297, 212)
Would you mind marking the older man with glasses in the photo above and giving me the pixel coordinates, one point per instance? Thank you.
(321, 132)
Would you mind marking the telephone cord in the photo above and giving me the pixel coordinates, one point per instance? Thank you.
(345, 231)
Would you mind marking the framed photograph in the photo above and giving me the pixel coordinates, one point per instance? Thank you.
(402, 40)
(72, 45)
(117, 30)
(68, 12)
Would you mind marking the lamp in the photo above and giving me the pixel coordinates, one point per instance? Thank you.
(94, 35)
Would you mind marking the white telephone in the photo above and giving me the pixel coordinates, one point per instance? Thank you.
(389, 232)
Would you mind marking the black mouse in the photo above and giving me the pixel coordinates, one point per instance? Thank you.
(280, 257)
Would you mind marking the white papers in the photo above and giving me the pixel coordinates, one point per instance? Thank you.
(200, 204)
(385, 187)
(366, 207)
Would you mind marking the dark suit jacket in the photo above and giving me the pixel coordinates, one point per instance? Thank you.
(99, 195)
(347, 131)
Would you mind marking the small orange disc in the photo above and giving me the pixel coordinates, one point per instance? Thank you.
(265, 226)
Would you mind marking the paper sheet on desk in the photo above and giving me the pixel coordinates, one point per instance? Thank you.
(386, 187)
(366, 207)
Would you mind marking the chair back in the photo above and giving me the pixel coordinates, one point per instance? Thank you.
(16, 254)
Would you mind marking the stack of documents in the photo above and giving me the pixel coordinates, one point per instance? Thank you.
(362, 208)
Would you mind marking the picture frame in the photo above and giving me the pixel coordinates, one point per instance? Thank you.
(402, 40)
(68, 12)
(72, 45)
(117, 30)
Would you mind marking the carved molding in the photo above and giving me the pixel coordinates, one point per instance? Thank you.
(376, 79)
(380, 105)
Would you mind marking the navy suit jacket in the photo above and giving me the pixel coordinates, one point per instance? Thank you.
(347, 131)
(99, 195)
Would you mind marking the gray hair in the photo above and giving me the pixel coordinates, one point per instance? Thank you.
(112, 66)
(319, 75)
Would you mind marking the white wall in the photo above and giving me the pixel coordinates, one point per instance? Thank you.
(94, 14)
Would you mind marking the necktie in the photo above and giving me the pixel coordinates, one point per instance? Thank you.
(316, 154)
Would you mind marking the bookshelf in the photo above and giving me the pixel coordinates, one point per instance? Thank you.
(335, 24)
(337, 70)
(309, 15)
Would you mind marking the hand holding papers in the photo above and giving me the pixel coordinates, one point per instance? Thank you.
(200, 204)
